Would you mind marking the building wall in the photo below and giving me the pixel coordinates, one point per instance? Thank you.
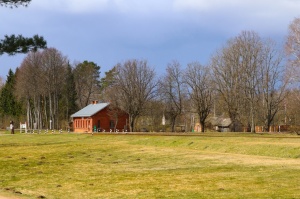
(274, 128)
(101, 121)
(82, 124)
(197, 127)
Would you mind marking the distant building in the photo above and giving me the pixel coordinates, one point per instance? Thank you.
(97, 117)
(225, 124)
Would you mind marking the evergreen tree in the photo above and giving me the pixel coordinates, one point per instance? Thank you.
(70, 93)
(15, 3)
(18, 44)
(108, 81)
(8, 103)
(87, 80)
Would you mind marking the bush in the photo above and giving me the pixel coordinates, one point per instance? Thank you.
(295, 129)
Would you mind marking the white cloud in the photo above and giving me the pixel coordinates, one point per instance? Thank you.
(91, 6)
(236, 15)
(204, 5)
(190, 11)
(253, 6)
(76, 6)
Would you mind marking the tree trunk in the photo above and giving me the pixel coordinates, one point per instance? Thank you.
(252, 120)
(131, 123)
(173, 120)
(28, 113)
(202, 125)
(116, 123)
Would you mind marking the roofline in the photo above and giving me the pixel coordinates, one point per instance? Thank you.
(107, 104)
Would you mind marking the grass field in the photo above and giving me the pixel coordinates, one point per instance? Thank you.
(141, 166)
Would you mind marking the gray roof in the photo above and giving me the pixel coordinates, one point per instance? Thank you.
(90, 110)
(225, 122)
(220, 121)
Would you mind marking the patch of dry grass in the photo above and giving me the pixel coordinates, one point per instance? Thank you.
(126, 166)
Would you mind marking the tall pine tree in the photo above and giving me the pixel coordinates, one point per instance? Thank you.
(14, 3)
(18, 44)
(9, 106)
(70, 95)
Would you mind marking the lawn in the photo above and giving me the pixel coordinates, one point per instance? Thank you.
(142, 166)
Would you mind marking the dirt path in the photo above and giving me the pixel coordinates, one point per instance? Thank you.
(4, 197)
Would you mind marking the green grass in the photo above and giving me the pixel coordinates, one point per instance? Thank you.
(139, 166)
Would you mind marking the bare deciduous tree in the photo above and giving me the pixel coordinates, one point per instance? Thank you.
(54, 67)
(41, 79)
(250, 50)
(228, 79)
(198, 79)
(29, 81)
(273, 82)
(114, 110)
(292, 49)
(134, 85)
(293, 44)
(171, 89)
(246, 70)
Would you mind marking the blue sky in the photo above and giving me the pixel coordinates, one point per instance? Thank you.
(111, 31)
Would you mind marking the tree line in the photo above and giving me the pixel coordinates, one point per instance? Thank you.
(47, 89)
(251, 80)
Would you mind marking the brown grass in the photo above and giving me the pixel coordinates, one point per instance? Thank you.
(125, 166)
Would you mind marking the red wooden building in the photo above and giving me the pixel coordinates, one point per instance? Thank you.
(96, 117)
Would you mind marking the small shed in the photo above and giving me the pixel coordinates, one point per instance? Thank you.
(96, 117)
(223, 124)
